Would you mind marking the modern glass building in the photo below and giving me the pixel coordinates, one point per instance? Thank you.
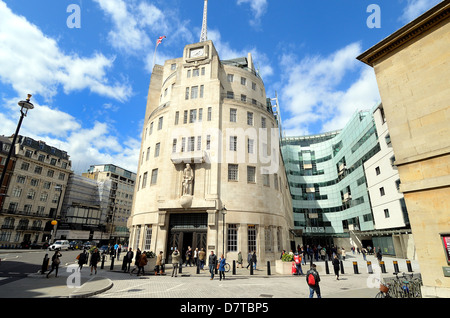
(328, 184)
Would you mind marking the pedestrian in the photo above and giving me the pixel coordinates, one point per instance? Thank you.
(239, 260)
(343, 253)
(201, 257)
(196, 257)
(116, 246)
(159, 260)
(364, 252)
(82, 259)
(212, 261)
(55, 263)
(136, 261)
(379, 255)
(112, 252)
(313, 279)
(298, 263)
(175, 262)
(323, 253)
(222, 263)
(142, 262)
(119, 249)
(189, 256)
(129, 259)
(95, 258)
(254, 260)
(249, 258)
(336, 265)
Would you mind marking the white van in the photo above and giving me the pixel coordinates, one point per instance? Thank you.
(59, 245)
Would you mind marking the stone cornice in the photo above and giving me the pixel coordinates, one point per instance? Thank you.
(423, 23)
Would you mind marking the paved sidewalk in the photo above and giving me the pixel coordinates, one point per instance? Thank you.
(116, 284)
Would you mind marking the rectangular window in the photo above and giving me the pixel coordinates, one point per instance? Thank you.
(251, 234)
(194, 92)
(230, 95)
(185, 117)
(188, 73)
(38, 170)
(386, 213)
(160, 123)
(202, 90)
(187, 93)
(209, 113)
(254, 86)
(268, 239)
(191, 144)
(230, 78)
(251, 174)
(266, 180)
(200, 114)
(250, 145)
(243, 98)
(263, 122)
(154, 176)
(148, 238)
(243, 81)
(377, 170)
(151, 128)
(275, 181)
(144, 180)
(174, 145)
(193, 116)
(195, 72)
(148, 154)
(25, 166)
(173, 67)
(208, 142)
(177, 116)
(232, 172)
(199, 142)
(183, 143)
(233, 143)
(203, 71)
(50, 173)
(382, 191)
(157, 149)
(250, 118)
(233, 115)
(232, 238)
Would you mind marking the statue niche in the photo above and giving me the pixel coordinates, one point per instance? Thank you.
(187, 190)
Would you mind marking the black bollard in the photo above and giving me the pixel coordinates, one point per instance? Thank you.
(234, 267)
(383, 267)
(369, 267)
(216, 268)
(355, 268)
(45, 264)
(408, 264)
(103, 262)
(327, 270)
(112, 264)
(268, 268)
(342, 268)
(180, 270)
(396, 267)
(251, 268)
(198, 267)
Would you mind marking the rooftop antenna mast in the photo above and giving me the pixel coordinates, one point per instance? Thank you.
(203, 35)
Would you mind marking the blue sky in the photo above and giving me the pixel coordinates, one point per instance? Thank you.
(89, 83)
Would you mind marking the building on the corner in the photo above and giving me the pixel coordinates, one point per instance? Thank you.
(116, 191)
(36, 187)
(413, 75)
(210, 173)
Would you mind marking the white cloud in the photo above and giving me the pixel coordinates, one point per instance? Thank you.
(414, 8)
(314, 91)
(32, 62)
(258, 8)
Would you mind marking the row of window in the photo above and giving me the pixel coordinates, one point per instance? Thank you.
(230, 79)
(38, 170)
(41, 158)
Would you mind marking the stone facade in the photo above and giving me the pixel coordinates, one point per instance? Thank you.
(214, 116)
(413, 73)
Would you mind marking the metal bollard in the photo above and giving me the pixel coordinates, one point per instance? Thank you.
(327, 270)
(198, 267)
(383, 267)
(103, 262)
(268, 268)
(251, 268)
(355, 268)
(408, 264)
(369, 267)
(342, 268)
(234, 267)
(396, 267)
(112, 264)
(180, 270)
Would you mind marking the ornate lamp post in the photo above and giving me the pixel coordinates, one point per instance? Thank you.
(25, 105)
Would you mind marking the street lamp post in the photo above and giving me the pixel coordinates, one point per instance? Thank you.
(25, 105)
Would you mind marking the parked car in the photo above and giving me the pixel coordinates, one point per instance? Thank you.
(59, 245)
(36, 246)
(75, 245)
(103, 249)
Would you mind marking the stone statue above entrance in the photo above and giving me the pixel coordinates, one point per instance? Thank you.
(188, 181)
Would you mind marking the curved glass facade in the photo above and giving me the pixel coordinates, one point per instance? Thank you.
(326, 178)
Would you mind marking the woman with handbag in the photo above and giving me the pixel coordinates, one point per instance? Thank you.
(55, 263)
(221, 267)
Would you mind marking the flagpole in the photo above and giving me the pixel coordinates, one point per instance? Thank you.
(154, 56)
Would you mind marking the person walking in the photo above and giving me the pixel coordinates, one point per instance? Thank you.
(175, 262)
(379, 255)
(129, 259)
(55, 263)
(212, 261)
(201, 258)
(196, 257)
(298, 263)
(142, 262)
(239, 260)
(188, 256)
(313, 279)
(119, 250)
(95, 258)
(343, 253)
(336, 265)
(249, 258)
(136, 261)
(159, 263)
(254, 260)
(222, 263)
(82, 259)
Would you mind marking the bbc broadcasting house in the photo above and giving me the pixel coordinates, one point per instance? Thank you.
(210, 173)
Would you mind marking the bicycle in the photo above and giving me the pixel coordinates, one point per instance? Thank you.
(227, 267)
(384, 291)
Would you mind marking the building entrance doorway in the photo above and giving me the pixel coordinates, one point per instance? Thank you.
(186, 230)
